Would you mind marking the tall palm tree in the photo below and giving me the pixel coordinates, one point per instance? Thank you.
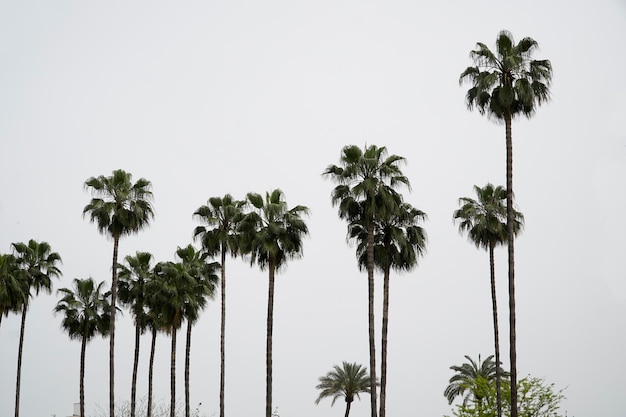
(131, 286)
(504, 85)
(346, 381)
(203, 281)
(471, 380)
(399, 241)
(365, 191)
(13, 285)
(484, 220)
(272, 234)
(119, 208)
(222, 216)
(86, 313)
(38, 265)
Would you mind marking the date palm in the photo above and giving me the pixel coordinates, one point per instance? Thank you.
(365, 192)
(346, 381)
(505, 84)
(471, 380)
(484, 220)
(13, 285)
(86, 312)
(132, 276)
(222, 216)
(119, 207)
(39, 265)
(399, 241)
(271, 235)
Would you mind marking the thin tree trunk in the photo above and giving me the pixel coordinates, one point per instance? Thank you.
(511, 239)
(496, 337)
(150, 370)
(370, 291)
(348, 403)
(83, 346)
(173, 374)
(383, 347)
(133, 388)
(223, 333)
(20, 348)
(116, 241)
(187, 356)
(268, 349)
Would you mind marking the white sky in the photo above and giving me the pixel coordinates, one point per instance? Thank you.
(208, 98)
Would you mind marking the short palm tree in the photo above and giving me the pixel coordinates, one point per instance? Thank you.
(471, 380)
(222, 216)
(86, 312)
(366, 181)
(132, 276)
(119, 207)
(39, 265)
(271, 235)
(399, 241)
(346, 381)
(505, 84)
(13, 285)
(484, 220)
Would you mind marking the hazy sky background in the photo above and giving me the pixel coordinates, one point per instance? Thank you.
(214, 97)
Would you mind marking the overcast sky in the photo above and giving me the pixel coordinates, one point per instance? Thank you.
(214, 97)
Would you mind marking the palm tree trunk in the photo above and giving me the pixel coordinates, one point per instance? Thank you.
(383, 347)
(173, 374)
(187, 356)
(268, 349)
(496, 337)
(20, 349)
(348, 408)
(133, 388)
(511, 238)
(370, 291)
(150, 370)
(116, 241)
(223, 333)
(83, 346)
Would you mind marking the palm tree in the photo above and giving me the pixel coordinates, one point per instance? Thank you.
(13, 285)
(203, 281)
(484, 220)
(223, 215)
(365, 191)
(272, 234)
(398, 242)
(38, 265)
(346, 381)
(506, 84)
(86, 310)
(131, 286)
(471, 380)
(119, 208)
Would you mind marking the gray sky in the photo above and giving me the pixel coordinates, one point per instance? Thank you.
(208, 98)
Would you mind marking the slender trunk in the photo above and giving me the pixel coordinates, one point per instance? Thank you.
(348, 408)
(223, 333)
(20, 348)
(496, 337)
(116, 241)
(383, 347)
(370, 291)
(268, 351)
(83, 346)
(173, 374)
(187, 356)
(150, 370)
(511, 239)
(133, 388)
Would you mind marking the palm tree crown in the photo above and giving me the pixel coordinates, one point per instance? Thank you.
(13, 285)
(507, 82)
(346, 381)
(471, 378)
